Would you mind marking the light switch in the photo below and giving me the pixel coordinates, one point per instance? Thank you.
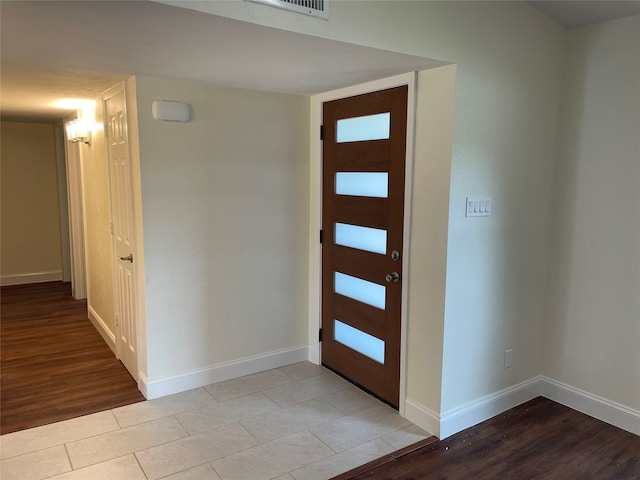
(478, 207)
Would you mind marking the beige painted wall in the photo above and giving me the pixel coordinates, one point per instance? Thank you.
(97, 225)
(593, 328)
(429, 225)
(509, 60)
(30, 213)
(63, 201)
(225, 213)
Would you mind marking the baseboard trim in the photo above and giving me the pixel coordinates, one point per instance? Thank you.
(472, 413)
(314, 354)
(108, 336)
(143, 381)
(422, 416)
(595, 406)
(222, 371)
(26, 278)
(484, 408)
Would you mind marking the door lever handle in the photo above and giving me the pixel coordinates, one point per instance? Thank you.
(392, 277)
(128, 258)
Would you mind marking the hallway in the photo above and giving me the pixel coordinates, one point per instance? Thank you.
(54, 365)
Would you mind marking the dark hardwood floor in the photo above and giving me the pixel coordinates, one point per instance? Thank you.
(540, 439)
(54, 365)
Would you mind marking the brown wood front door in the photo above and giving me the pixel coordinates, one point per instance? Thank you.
(364, 149)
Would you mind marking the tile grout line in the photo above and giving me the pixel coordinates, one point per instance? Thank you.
(214, 469)
(324, 443)
(140, 466)
(252, 436)
(182, 425)
(66, 451)
(111, 411)
(60, 473)
(292, 379)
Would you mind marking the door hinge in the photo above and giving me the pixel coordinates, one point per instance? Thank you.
(320, 335)
(116, 319)
(111, 228)
(321, 132)
(320, 236)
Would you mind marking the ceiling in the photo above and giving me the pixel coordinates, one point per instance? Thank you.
(77, 49)
(53, 50)
(577, 13)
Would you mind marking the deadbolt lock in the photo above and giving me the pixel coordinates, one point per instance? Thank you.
(395, 255)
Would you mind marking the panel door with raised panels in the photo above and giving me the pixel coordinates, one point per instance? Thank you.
(123, 231)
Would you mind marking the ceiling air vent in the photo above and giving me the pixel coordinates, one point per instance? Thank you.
(315, 8)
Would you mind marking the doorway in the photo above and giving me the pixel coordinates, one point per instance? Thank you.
(346, 259)
(363, 210)
(122, 228)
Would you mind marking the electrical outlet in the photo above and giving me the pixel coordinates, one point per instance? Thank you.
(508, 358)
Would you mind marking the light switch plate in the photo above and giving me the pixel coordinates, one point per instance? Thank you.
(478, 207)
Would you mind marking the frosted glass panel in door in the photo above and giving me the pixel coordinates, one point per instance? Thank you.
(359, 341)
(358, 129)
(364, 238)
(361, 290)
(361, 184)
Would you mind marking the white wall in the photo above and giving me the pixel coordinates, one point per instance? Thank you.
(593, 330)
(509, 59)
(225, 211)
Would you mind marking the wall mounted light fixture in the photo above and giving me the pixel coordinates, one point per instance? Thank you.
(79, 130)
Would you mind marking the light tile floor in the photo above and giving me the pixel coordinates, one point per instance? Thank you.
(298, 422)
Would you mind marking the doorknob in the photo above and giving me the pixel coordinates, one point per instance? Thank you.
(128, 258)
(392, 277)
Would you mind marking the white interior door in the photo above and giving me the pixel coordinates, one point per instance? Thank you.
(123, 229)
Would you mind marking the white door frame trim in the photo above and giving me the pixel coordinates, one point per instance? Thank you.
(75, 197)
(315, 211)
